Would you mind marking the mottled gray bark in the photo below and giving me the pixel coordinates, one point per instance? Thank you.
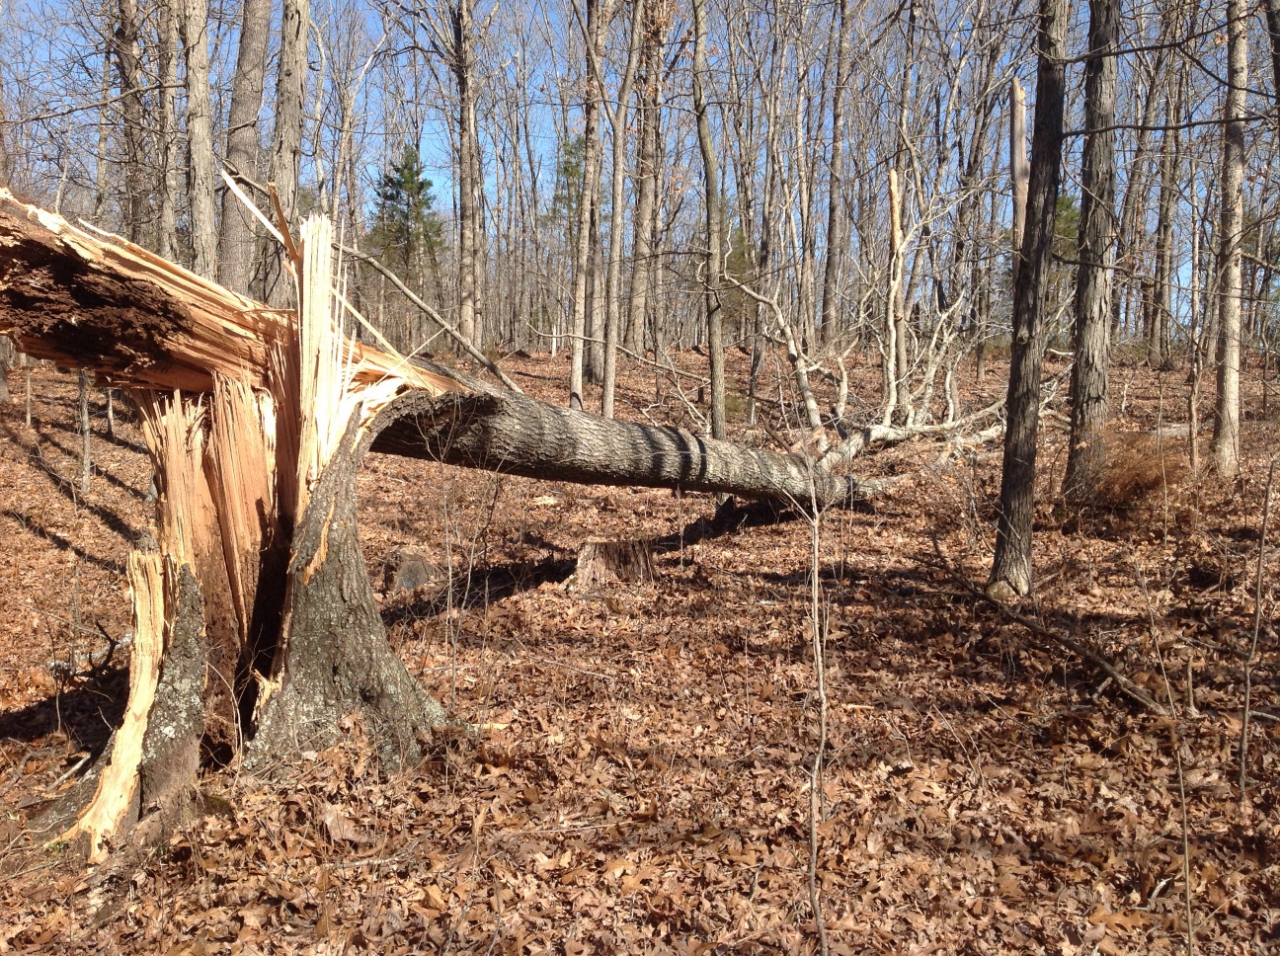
(286, 145)
(1086, 454)
(516, 435)
(236, 239)
(200, 176)
(334, 659)
(1011, 568)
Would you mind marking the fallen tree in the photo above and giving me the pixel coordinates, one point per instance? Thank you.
(255, 625)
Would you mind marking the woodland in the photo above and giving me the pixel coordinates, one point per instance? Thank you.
(847, 526)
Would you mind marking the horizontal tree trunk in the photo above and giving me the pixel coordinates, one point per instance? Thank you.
(516, 435)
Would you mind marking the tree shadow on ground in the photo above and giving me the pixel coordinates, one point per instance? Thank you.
(483, 585)
(67, 489)
(31, 526)
(87, 713)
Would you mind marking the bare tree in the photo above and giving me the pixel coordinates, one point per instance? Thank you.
(1086, 453)
(837, 219)
(618, 121)
(1011, 567)
(286, 146)
(236, 239)
(597, 14)
(711, 200)
(1226, 422)
(200, 175)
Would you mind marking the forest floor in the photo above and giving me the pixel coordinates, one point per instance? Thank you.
(643, 781)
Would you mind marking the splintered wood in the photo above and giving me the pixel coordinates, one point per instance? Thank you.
(174, 432)
(242, 409)
(241, 468)
(119, 779)
(153, 324)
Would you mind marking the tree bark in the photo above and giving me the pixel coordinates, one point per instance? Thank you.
(1011, 568)
(592, 33)
(1018, 172)
(1273, 32)
(711, 200)
(333, 658)
(462, 63)
(286, 146)
(200, 179)
(7, 355)
(1226, 422)
(236, 240)
(837, 221)
(647, 173)
(516, 435)
(167, 233)
(128, 64)
(1086, 454)
(613, 280)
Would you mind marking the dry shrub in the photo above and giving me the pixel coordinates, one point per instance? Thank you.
(1139, 468)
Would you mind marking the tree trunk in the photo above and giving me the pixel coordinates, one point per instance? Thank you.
(334, 658)
(1086, 454)
(200, 179)
(837, 220)
(7, 355)
(236, 240)
(286, 146)
(1273, 32)
(1018, 172)
(86, 442)
(1159, 354)
(593, 32)
(1226, 422)
(711, 200)
(517, 435)
(647, 173)
(1011, 568)
(128, 64)
(463, 66)
(167, 233)
(613, 281)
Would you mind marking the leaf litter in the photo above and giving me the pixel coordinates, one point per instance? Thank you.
(642, 781)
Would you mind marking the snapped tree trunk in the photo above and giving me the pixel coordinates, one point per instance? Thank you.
(1011, 568)
(260, 575)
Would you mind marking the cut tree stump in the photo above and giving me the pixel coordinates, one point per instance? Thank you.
(614, 562)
